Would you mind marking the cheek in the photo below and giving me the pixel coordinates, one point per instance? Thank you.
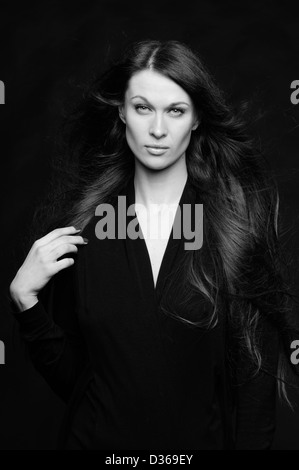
(134, 130)
(182, 135)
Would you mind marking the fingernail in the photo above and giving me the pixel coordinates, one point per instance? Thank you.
(85, 240)
(78, 229)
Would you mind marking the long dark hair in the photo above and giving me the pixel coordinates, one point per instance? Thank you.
(228, 170)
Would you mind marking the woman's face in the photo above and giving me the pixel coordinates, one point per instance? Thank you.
(159, 117)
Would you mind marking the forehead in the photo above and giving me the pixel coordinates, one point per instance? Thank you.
(155, 87)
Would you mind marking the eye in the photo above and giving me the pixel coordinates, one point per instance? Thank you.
(177, 111)
(142, 108)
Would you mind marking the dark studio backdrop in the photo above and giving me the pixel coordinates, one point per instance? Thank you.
(47, 48)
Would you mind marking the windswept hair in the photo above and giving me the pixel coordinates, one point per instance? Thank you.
(231, 176)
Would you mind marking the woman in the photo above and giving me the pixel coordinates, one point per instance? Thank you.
(152, 345)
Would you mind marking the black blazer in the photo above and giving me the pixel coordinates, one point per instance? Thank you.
(133, 375)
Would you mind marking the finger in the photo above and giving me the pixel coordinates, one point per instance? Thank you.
(62, 250)
(65, 239)
(54, 234)
(63, 263)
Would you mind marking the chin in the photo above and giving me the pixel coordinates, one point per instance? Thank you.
(158, 164)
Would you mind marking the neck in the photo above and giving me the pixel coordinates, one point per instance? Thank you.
(159, 186)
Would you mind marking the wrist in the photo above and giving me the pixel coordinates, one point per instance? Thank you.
(23, 301)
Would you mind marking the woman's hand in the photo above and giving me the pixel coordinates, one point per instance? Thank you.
(41, 264)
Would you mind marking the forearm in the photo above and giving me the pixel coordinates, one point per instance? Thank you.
(256, 398)
(256, 417)
(58, 356)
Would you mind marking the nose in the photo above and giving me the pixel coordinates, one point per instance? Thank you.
(158, 127)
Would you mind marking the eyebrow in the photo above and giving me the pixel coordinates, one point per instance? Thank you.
(171, 104)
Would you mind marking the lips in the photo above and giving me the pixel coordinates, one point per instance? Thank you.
(157, 147)
(156, 150)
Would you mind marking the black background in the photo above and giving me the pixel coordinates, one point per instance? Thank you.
(47, 49)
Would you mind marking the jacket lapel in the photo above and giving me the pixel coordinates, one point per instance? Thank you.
(137, 252)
